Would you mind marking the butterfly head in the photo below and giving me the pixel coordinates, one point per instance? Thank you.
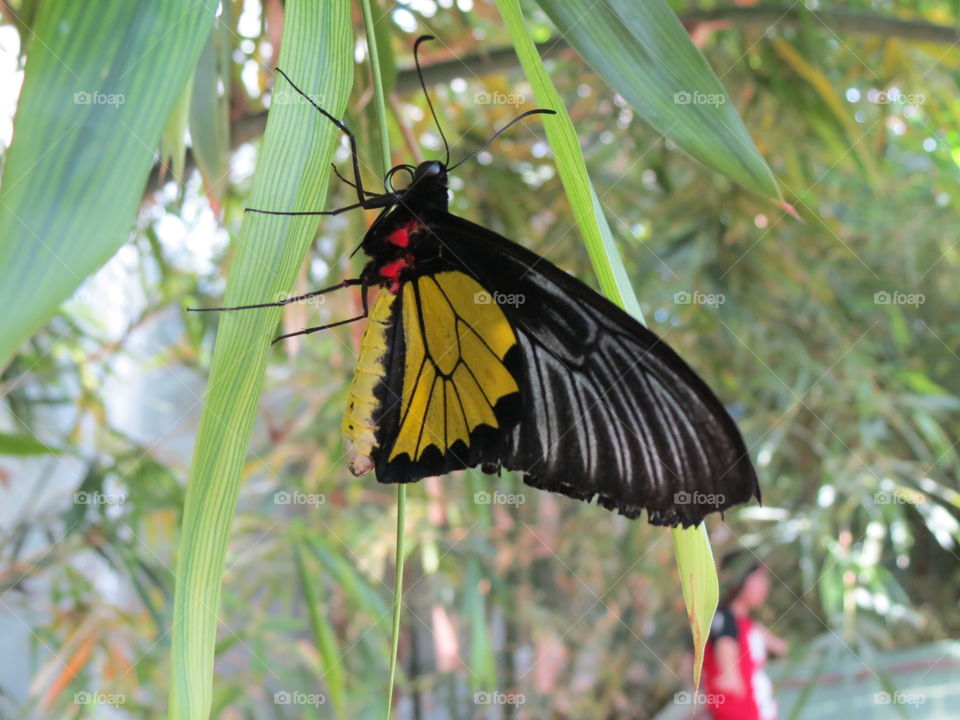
(425, 188)
(430, 171)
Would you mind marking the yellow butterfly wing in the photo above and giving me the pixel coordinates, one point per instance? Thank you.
(429, 399)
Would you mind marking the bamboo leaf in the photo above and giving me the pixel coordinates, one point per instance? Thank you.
(383, 28)
(380, 105)
(98, 89)
(324, 635)
(825, 89)
(701, 589)
(209, 112)
(481, 660)
(24, 445)
(362, 595)
(643, 52)
(570, 165)
(173, 139)
(292, 174)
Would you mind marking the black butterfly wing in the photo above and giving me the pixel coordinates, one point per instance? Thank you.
(608, 409)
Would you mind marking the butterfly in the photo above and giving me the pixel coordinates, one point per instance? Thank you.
(479, 352)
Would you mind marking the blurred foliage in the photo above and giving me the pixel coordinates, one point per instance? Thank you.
(833, 336)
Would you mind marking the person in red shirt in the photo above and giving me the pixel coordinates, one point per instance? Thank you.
(733, 665)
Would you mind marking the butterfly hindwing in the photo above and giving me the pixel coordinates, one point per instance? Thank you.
(450, 390)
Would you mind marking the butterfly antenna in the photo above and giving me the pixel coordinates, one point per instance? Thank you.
(498, 133)
(416, 60)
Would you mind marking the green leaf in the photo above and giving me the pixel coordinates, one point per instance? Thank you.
(701, 589)
(692, 545)
(23, 445)
(383, 30)
(562, 135)
(292, 174)
(362, 595)
(98, 89)
(481, 658)
(210, 112)
(832, 99)
(324, 636)
(380, 106)
(173, 139)
(642, 51)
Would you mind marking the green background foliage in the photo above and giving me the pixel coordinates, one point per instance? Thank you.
(88, 125)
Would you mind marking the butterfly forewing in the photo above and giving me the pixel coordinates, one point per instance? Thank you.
(609, 410)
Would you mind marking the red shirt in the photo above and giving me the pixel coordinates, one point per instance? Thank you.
(757, 703)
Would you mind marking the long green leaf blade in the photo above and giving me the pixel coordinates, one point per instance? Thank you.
(324, 635)
(210, 113)
(562, 135)
(292, 174)
(642, 51)
(99, 86)
(701, 588)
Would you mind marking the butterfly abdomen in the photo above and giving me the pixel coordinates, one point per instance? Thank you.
(359, 419)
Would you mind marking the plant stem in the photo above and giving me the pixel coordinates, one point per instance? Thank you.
(397, 592)
(378, 99)
(381, 109)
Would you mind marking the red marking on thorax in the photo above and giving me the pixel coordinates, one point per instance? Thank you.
(401, 236)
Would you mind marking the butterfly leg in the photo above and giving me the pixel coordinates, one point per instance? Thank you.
(308, 212)
(365, 199)
(349, 182)
(339, 286)
(309, 331)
